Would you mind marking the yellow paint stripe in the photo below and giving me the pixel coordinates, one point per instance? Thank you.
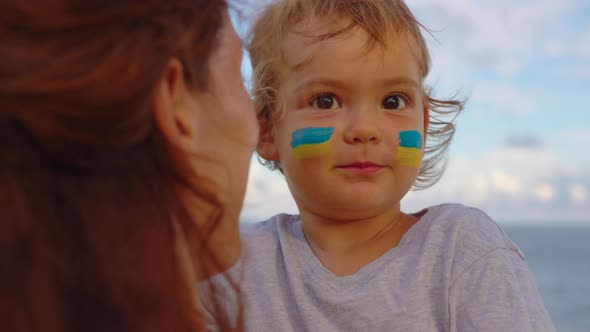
(409, 156)
(306, 151)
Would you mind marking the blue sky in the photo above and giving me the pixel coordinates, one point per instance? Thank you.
(521, 148)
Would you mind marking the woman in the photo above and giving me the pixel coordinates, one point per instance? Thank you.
(125, 140)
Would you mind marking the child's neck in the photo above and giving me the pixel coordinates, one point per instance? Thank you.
(345, 246)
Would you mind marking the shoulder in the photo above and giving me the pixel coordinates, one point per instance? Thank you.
(267, 228)
(470, 226)
(489, 276)
(468, 232)
(269, 233)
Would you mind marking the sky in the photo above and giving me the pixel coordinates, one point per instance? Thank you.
(520, 152)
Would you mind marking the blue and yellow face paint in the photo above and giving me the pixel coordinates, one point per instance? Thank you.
(409, 151)
(311, 142)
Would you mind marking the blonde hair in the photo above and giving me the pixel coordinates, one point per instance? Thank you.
(380, 19)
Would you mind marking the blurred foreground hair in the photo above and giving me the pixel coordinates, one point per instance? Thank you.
(92, 234)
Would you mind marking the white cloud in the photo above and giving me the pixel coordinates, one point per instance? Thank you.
(506, 183)
(513, 185)
(579, 137)
(528, 164)
(501, 36)
(506, 98)
(578, 194)
(267, 194)
(555, 48)
(573, 45)
(544, 192)
(480, 188)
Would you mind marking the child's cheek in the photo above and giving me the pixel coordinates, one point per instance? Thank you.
(409, 151)
(311, 142)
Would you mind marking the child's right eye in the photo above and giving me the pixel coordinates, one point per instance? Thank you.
(325, 102)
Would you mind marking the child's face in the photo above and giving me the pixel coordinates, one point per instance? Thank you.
(350, 143)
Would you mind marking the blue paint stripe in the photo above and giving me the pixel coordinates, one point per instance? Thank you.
(410, 139)
(311, 135)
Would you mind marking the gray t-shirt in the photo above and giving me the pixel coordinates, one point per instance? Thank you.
(454, 270)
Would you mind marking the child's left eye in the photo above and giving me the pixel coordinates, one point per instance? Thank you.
(394, 102)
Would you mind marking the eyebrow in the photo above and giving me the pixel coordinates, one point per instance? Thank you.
(400, 80)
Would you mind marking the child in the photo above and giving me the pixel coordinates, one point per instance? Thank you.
(345, 116)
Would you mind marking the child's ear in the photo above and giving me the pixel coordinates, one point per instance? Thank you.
(267, 146)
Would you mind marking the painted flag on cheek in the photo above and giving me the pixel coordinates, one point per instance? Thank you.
(311, 142)
(409, 151)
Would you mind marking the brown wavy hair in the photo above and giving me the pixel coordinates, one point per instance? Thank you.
(381, 20)
(92, 235)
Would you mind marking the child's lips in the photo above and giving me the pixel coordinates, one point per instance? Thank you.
(361, 167)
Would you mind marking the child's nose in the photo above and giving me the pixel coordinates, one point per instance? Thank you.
(363, 128)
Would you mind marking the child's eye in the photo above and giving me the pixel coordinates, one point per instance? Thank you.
(325, 102)
(394, 102)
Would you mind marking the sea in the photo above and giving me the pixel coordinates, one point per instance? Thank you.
(559, 257)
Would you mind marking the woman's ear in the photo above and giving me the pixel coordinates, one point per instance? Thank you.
(170, 99)
(267, 146)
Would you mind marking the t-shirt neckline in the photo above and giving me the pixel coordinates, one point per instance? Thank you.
(314, 269)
